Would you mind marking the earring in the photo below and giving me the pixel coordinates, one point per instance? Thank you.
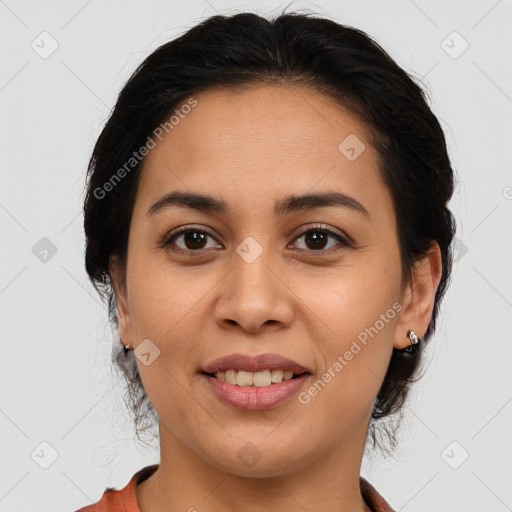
(412, 348)
(126, 349)
(412, 336)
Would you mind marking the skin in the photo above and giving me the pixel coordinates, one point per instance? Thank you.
(251, 147)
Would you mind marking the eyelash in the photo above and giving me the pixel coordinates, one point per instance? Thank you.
(168, 238)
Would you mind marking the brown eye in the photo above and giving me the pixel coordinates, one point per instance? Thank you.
(192, 239)
(316, 240)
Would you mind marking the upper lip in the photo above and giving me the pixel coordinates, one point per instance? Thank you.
(254, 363)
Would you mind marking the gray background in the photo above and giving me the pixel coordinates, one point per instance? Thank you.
(56, 382)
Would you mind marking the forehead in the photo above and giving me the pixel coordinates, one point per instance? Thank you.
(264, 139)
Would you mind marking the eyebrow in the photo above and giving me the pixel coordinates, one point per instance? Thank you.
(285, 206)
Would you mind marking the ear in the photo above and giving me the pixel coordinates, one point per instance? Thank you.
(419, 297)
(118, 279)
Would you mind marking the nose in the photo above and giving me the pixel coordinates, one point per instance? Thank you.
(254, 294)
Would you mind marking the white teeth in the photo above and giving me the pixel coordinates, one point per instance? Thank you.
(230, 376)
(259, 379)
(276, 376)
(244, 378)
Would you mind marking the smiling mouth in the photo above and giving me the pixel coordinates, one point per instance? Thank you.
(254, 379)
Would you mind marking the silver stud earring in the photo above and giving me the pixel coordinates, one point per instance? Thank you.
(412, 336)
(413, 347)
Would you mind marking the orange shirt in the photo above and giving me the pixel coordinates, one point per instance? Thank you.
(124, 500)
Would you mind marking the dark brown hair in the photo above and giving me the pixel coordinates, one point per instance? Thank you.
(292, 48)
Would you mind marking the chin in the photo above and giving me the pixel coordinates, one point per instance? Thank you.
(251, 462)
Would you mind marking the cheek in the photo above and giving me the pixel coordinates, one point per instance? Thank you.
(162, 301)
(166, 311)
(355, 349)
(353, 299)
(356, 318)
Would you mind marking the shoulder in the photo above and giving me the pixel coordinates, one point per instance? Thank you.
(372, 497)
(121, 500)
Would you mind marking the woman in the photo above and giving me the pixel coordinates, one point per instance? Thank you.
(266, 215)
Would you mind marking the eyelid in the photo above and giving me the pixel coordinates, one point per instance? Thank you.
(344, 240)
(168, 236)
(325, 228)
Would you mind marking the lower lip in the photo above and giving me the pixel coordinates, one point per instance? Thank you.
(255, 398)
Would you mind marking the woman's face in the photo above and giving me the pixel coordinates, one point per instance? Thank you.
(252, 280)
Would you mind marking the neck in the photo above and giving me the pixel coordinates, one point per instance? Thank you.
(185, 481)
